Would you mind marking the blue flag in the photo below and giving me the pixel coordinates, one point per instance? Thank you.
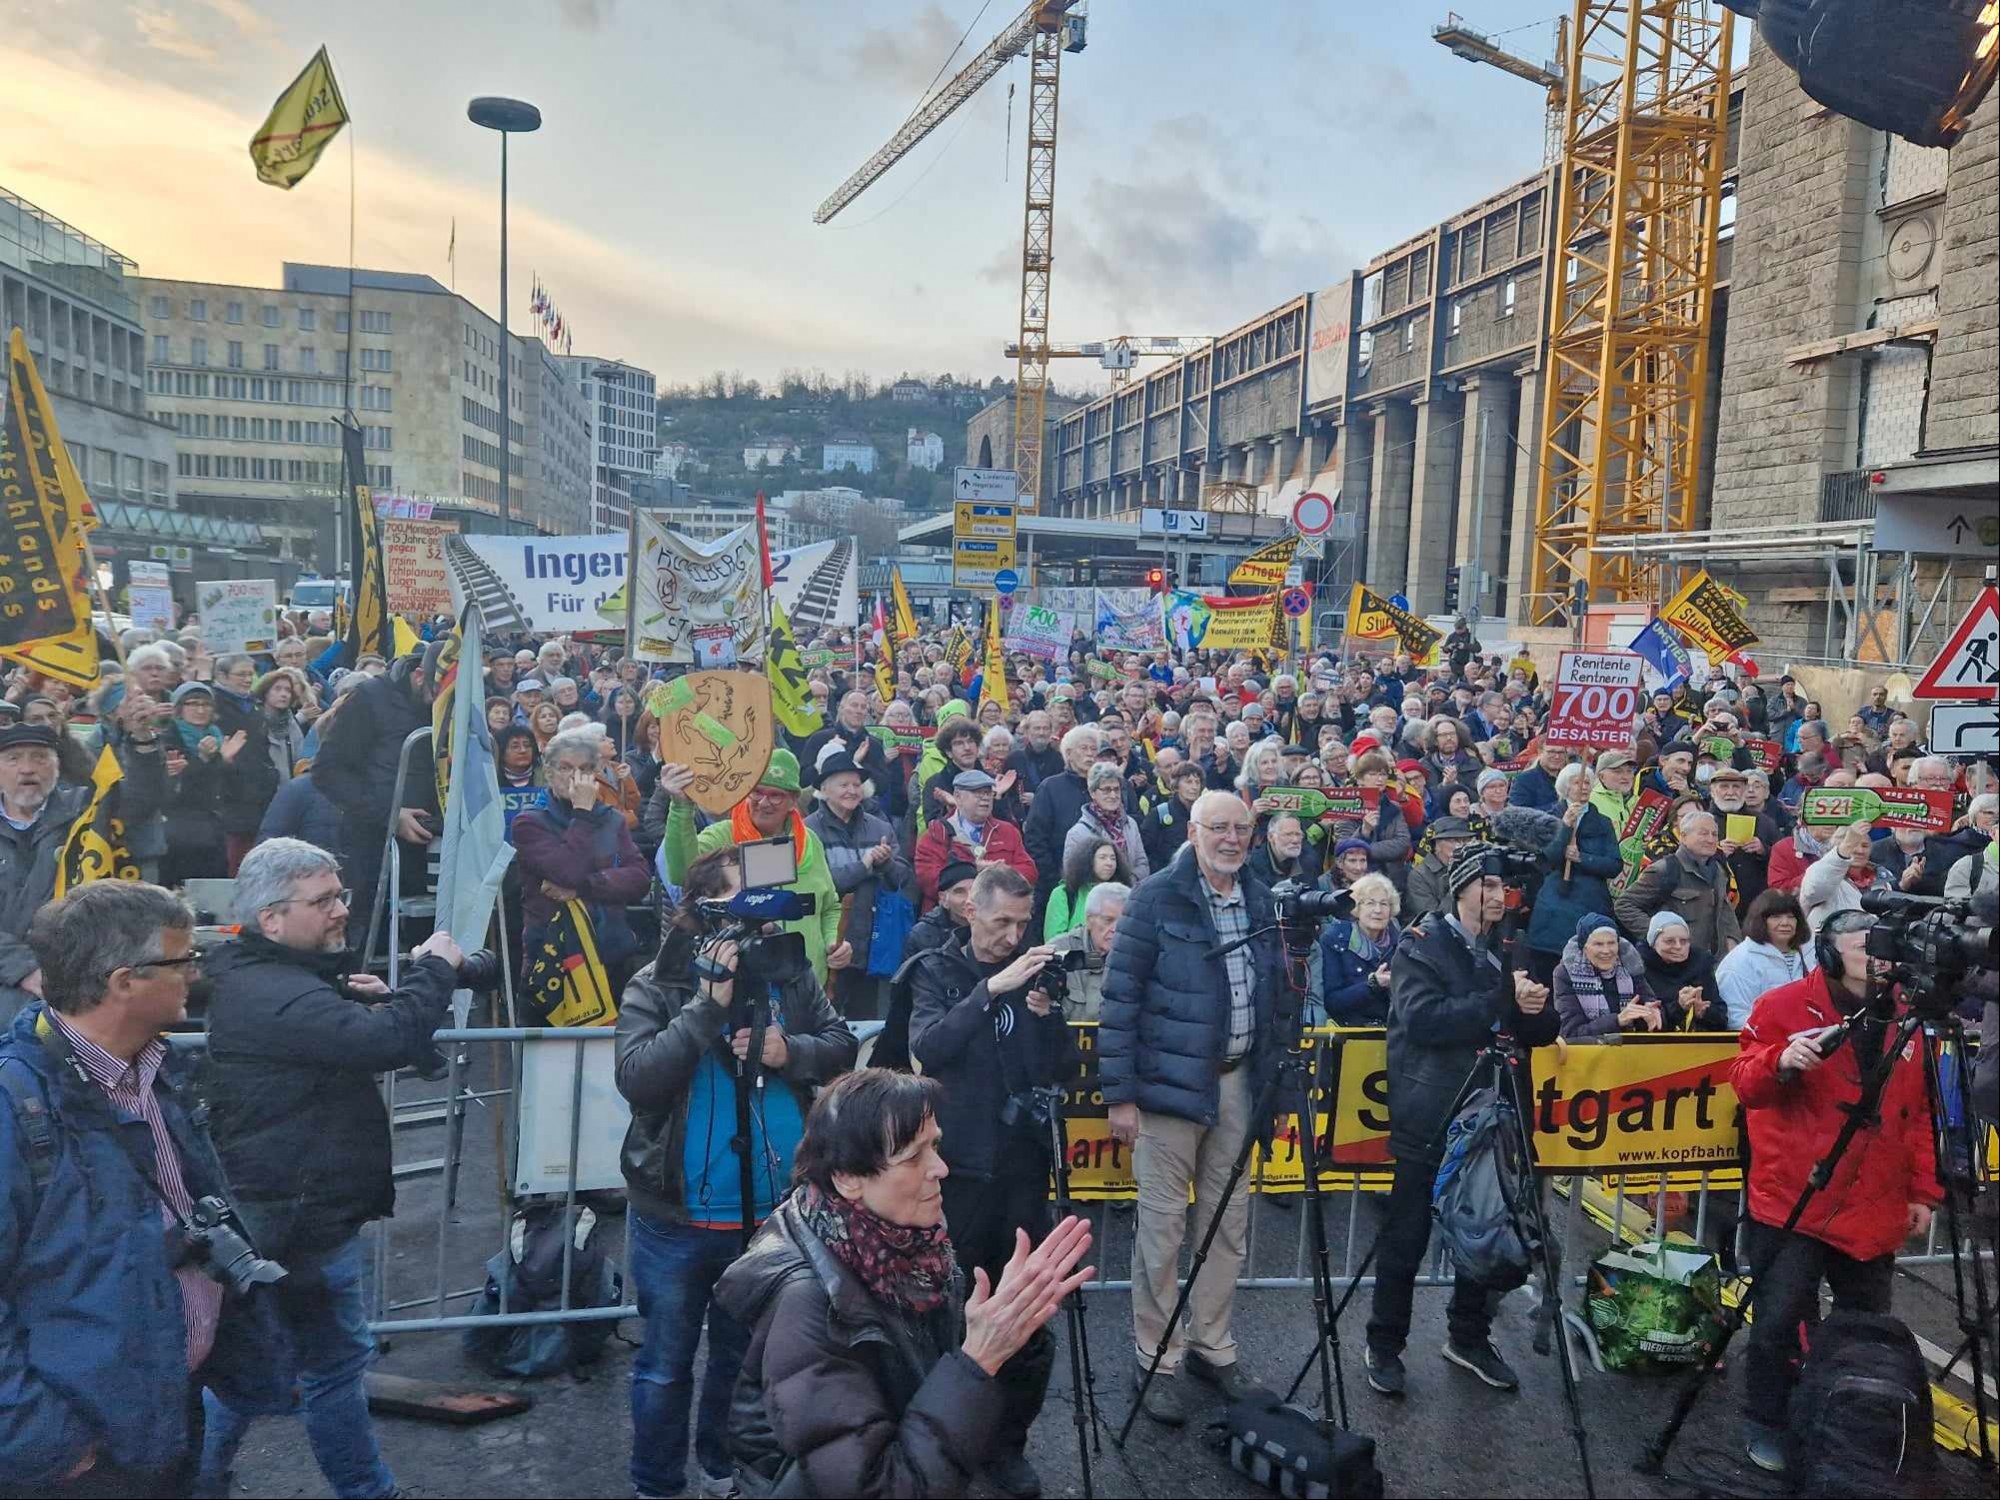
(1661, 647)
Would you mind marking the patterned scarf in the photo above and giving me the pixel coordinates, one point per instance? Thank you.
(914, 1269)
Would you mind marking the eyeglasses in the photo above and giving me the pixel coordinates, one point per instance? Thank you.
(320, 903)
(166, 963)
(1236, 831)
(769, 794)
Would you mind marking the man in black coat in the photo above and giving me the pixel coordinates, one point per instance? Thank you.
(1036, 756)
(1059, 802)
(295, 1041)
(1186, 1048)
(981, 1026)
(1447, 994)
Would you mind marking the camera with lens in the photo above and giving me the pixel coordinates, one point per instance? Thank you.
(214, 1240)
(1053, 980)
(1932, 943)
(1037, 1106)
(1298, 901)
(768, 866)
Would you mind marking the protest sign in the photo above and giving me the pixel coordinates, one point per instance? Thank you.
(1035, 630)
(149, 596)
(413, 558)
(1595, 699)
(1709, 615)
(1239, 624)
(1129, 620)
(1891, 807)
(238, 614)
(698, 601)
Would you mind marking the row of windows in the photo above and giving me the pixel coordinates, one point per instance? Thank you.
(233, 356)
(1508, 291)
(270, 470)
(85, 385)
(111, 473)
(486, 417)
(199, 424)
(322, 393)
(160, 307)
(475, 451)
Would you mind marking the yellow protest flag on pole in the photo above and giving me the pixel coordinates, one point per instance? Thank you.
(1266, 567)
(905, 621)
(94, 848)
(305, 118)
(993, 679)
(791, 699)
(45, 571)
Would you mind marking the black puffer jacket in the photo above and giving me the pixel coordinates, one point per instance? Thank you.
(1164, 1021)
(844, 1394)
(983, 1047)
(1059, 802)
(251, 780)
(663, 1030)
(1443, 1005)
(291, 1083)
(362, 747)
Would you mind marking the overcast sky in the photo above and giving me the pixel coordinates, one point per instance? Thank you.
(1215, 159)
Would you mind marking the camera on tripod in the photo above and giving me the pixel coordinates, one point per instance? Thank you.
(1931, 943)
(1299, 902)
(214, 1240)
(764, 958)
(1033, 1105)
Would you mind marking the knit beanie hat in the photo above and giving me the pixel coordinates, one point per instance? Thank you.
(1591, 922)
(1663, 921)
(1469, 868)
(1347, 845)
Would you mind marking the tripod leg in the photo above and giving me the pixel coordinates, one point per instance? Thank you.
(1082, 1393)
(1326, 1326)
(1972, 1324)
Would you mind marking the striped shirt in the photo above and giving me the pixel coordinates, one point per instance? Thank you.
(1232, 924)
(129, 1087)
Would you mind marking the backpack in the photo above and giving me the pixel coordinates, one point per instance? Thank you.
(1477, 1196)
(530, 1272)
(32, 1126)
(1281, 1447)
(1860, 1417)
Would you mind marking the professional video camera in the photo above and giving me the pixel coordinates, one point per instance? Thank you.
(764, 958)
(1931, 943)
(1298, 902)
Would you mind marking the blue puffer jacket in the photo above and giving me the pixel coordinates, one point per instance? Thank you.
(1560, 902)
(1350, 960)
(1164, 1021)
(93, 1351)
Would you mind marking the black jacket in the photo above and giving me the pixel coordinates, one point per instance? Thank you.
(861, 1397)
(363, 745)
(251, 780)
(1059, 802)
(1668, 979)
(1036, 766)
(293, 1061)
(663, 1030)
(1164, 1021)
(982, 1047)
(1163, 830)
(1443, 1005)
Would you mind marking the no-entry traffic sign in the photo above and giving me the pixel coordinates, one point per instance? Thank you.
(1312, 514)
(1595, 700)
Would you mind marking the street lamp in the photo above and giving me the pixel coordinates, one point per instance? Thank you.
(509, 117)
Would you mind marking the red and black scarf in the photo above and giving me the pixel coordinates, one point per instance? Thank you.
(914, 1269)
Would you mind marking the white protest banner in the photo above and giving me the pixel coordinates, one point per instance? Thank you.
(697, 599)
(1034, 630)
(238, 614)
(818, 586)
(149, 595)
(540, 585)
(1595, 700)
(1130, 620)
(413, 558)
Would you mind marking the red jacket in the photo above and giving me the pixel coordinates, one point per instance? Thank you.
(939, 845)
(1863, 1211)
(1788, 866)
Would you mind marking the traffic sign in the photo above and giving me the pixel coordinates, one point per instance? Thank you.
(983, 518)
(1596, 699)
(1192, 523)
(1925, 524)
(1006, 581)
(1969, 665)
(986, 484)
(1312, 513)
(1295, 601)
(977, 561)
(1311, 548)
(1965, 729)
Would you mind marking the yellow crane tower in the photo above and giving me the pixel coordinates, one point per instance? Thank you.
(1044, 31)
(1631, 293)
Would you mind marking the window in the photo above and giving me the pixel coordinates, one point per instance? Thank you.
(374, 322)
(1725, 214)
(160, 354)
(184, 464)
(270, 356)
(197, 351)
(201, 424)
(157, 307)
(308, 320)
(375, 359)
(232, 312)
(256, 468)
(256, 429)
(294, 470)
(1457, 316)
(268, 316)
(309, 360)
(235, 354)
(376, 437)
(340, 322)
(198, 310)
(156, 481)
(241, 467)
(239, 427)
(340, 363)
(1409, 335)
(1507, 289)
(292, 433)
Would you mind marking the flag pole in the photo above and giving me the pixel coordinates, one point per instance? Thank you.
(631, 579)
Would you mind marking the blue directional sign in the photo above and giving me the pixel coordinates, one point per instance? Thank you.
(1006, 581)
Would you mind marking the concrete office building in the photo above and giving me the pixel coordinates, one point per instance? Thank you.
(623, 404)
(560, 448)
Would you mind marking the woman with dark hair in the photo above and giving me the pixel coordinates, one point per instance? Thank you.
(499, 714)
(1776, 949)
(865, 1373)
(620, 719)
(517, 758)
(1085, 865)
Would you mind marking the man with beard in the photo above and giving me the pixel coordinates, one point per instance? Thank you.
(1749, 859)
(1035, 757)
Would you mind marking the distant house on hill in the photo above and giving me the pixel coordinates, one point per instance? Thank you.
(926, 450)
(847, 451)
(909, 392)
(769, 452)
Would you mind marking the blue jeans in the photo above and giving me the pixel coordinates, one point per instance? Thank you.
(674, 1269)
(320, 1303)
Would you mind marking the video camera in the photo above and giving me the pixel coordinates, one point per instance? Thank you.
(1931, 942)
(764, 958)
(1299, 902)
(1053, 980)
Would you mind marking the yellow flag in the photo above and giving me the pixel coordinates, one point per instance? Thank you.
(791, 700)
(905, 622)
(885, 678)
(993, 682)
(45, 619)
(1266, 567)
(94, 848)
(306, 117)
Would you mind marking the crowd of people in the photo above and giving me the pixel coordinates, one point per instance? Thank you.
(1121, 816)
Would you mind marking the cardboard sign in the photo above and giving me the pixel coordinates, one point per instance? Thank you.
(903, 739)
(238, 614)
(1595, 699)
(719, 725)
(1309, 802)
(1898, 807)
(1770, 754)
(413, 558)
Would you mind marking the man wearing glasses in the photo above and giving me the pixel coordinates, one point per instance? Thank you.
(1185, 1047)
(111, 1333)
(296, 1039)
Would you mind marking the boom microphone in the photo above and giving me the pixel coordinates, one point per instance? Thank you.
(758, 906)
(1527, 828)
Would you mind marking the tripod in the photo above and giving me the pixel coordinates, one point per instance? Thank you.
(1083, 1382)
(1298, 1072)
(1865, 1111)
(749, 1081)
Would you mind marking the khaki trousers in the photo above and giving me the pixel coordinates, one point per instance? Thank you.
(1172, 1155)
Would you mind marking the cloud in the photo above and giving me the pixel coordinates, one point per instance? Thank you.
(242, 17)
(162, 31)
(908, 56)
(585, 15)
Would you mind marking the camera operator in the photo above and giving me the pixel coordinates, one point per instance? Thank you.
(296, 1038)
(1795, 1099)
(1092, 941)
(982, 1026)
(683, 1027)
(110, 1337)
(1448, 994)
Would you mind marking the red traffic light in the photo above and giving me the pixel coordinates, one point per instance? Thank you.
(1156, 580)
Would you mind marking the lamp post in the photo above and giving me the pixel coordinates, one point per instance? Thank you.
(509, 117)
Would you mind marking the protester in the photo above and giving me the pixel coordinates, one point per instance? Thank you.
(683, 1037)
(1354, 955)
(1102, 909)
(1839, 876)
(1691, 882)
(865, 861)
(1104, 818)
(901, 1394)
(1059, 800)
(1579, 862)
(1600, 986)
(1682, 977)
(1430, 889)
(1085, 865)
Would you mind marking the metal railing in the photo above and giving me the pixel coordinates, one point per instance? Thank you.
(1846, 496)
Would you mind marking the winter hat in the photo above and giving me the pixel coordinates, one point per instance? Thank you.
(954, 872)
(1662, 922)
(1487, 778)
(1591, 922)
(1362, 744)
(782, 772)
(1346, 845)
(1469, 868)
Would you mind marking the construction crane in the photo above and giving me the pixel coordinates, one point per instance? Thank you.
(1119, 355)
(1475, 46)
(1043, 32)
(1631, 303)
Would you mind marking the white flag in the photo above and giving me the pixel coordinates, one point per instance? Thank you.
(699, 602)
(476, 852)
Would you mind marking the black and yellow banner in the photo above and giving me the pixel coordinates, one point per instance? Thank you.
(303, 121)
(791, 700)
(45, 619)
(566, 983)
(368, 630)
(1371, 617)
(1709, 614)
(446, 684)
(94, 848)
(1266, 567)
